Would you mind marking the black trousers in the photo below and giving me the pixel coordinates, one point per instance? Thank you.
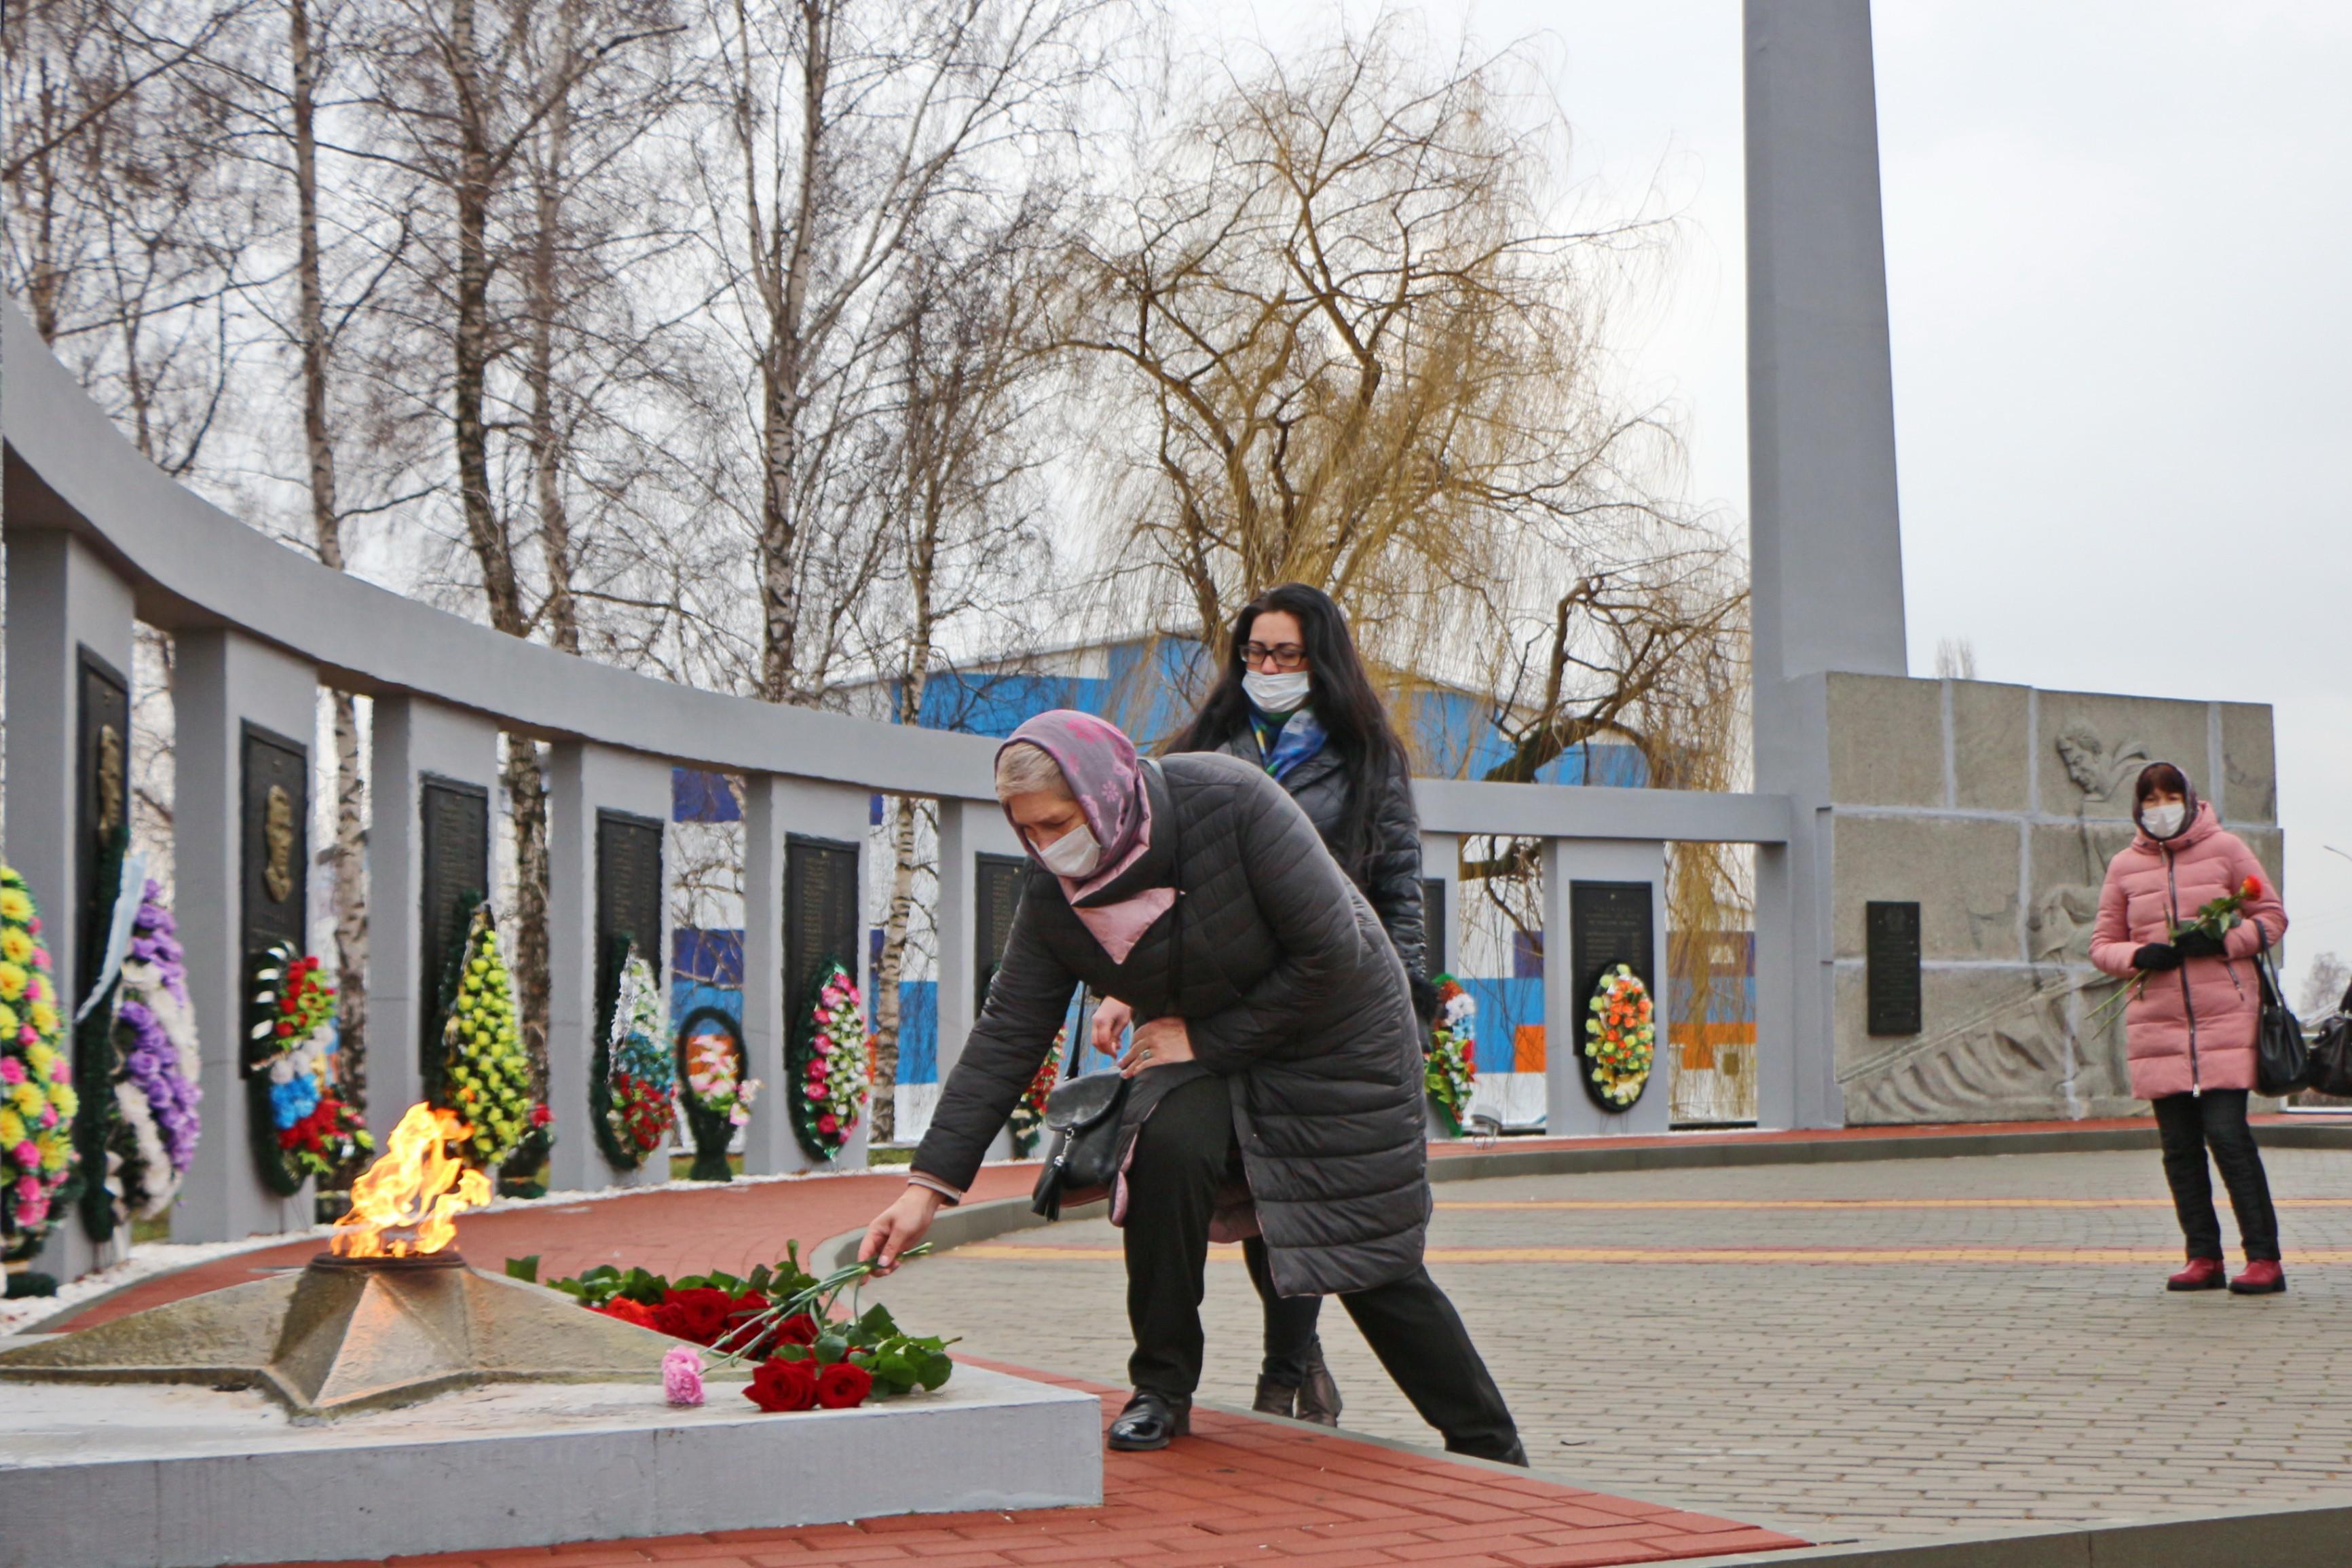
(1184, 1153)
(2192, 1123)
(1290, 1338)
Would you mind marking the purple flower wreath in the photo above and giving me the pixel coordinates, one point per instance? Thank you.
(151, 1063)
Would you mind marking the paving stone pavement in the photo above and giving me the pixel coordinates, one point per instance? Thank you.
(1872, 1350)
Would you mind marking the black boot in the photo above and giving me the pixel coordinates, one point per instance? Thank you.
(1319, 1396)
(1275, 1398)
(1148, 1422)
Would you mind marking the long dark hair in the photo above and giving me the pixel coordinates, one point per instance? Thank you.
(1344, 702)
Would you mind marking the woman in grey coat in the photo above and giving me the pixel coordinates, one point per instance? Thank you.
(1296, 700)
(1277, 1076)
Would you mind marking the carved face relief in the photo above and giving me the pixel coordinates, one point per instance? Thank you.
(2096, 771)
(111, 792)
(278, 838)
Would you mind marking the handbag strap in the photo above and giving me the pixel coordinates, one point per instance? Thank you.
(2266, 969)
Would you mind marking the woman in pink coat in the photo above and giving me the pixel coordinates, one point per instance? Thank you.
(2190, 1030)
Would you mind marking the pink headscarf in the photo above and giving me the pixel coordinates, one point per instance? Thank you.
(1106, 781)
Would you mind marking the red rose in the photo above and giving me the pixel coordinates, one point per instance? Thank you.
(627, 1312)
(700, 1314)
(2251, 888)
(779, 1385)
(841, 1386)
(800, 1329)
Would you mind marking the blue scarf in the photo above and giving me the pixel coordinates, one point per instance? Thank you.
(1286, 743)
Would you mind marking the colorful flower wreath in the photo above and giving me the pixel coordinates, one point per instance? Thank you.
(1620, 1039)
(37, 1102)
(717, 1096)
(1028, 1123)
(485, 1073)
(831, 1070)
(155, 1085)
(1452, 1068)
(301, 1128)
(639, 1073)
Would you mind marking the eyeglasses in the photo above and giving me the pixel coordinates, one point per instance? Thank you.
(1286, 655)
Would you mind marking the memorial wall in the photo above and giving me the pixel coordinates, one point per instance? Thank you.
(1971, 827)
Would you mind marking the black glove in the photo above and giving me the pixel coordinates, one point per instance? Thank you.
(2157, 955)
(1426, 1000)
(2197, 944)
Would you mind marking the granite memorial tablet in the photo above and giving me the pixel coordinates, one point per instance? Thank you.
(454, 822)
(1610, 923)
(997, 881)
(628, 898)
(274, 843)
(1432, 926)
(821, 911)
(101, 809)
(1891, 980)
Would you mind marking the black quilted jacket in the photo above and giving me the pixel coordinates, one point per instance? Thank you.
(1391, 875)
(1292, 993)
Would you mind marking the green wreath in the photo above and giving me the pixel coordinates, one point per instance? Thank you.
(716, 1089)
(633, 1054)
(482, 1071)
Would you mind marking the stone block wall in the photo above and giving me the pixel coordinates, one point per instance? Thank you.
(1997, 808)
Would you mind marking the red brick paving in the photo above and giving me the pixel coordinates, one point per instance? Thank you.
(1239, 1490)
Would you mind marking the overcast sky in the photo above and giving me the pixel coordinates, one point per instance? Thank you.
(2119, 265)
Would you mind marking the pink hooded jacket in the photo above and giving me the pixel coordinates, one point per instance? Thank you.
(2191, 1028)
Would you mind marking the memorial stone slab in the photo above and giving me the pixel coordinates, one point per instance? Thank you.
(454, 854)
(1891, 938)
(998, 880)
(628, 898)
(820, 912)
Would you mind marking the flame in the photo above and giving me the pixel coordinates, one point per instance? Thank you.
(403, 1205)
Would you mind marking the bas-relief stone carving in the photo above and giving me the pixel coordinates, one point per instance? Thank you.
(2096, 770)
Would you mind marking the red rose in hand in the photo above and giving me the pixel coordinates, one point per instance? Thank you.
(841, 1386)
(2251, 888)
(779, 1385)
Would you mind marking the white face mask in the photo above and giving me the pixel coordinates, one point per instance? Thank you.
(1278, 693)
(1074, 855)
(2164, 821)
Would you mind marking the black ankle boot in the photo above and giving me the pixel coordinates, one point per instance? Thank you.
(1148, 1422)
(1319, 1396)
(1275, 1398)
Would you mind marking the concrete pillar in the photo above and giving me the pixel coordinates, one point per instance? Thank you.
(1823, 536)
(64, 605)
(968, 829)
(412, 739)
(584, 779)
(775, 810)
(1571, 1112)
(224, 684)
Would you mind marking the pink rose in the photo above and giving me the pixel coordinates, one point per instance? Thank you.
(48, 1117)
(61, 1070)
(28, 1154)
(682, 1375)
(33, 1210)
(24, 1036)
(40, 958)
(29, 1188)
(827, 1125)
(34, 925)
(12, 1070)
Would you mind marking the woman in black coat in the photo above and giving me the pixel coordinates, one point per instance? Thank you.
(1296, 700)
(1276, 1075)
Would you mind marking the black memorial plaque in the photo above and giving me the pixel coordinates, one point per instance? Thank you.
(1433, 925)
(821, 910)
(1890, 982)
(101, 809)
(453, 825)
(628, 901)
(275, 847)
(1609, 923)
(997, 881)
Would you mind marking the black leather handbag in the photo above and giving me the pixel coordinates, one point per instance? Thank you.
(2331, 1052)
(2282, 1056)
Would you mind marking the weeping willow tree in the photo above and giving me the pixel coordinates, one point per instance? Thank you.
(1333, 334)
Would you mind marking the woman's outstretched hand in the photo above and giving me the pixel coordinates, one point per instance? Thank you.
(898, 1227)
(1159, 1043)
(1110, 1022)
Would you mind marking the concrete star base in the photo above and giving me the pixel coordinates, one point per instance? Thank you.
(140, 1476)
(349, 1334)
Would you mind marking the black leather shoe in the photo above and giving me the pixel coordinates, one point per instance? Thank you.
(1318, 1396)
(1275, 1398)
(1149, 1421)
